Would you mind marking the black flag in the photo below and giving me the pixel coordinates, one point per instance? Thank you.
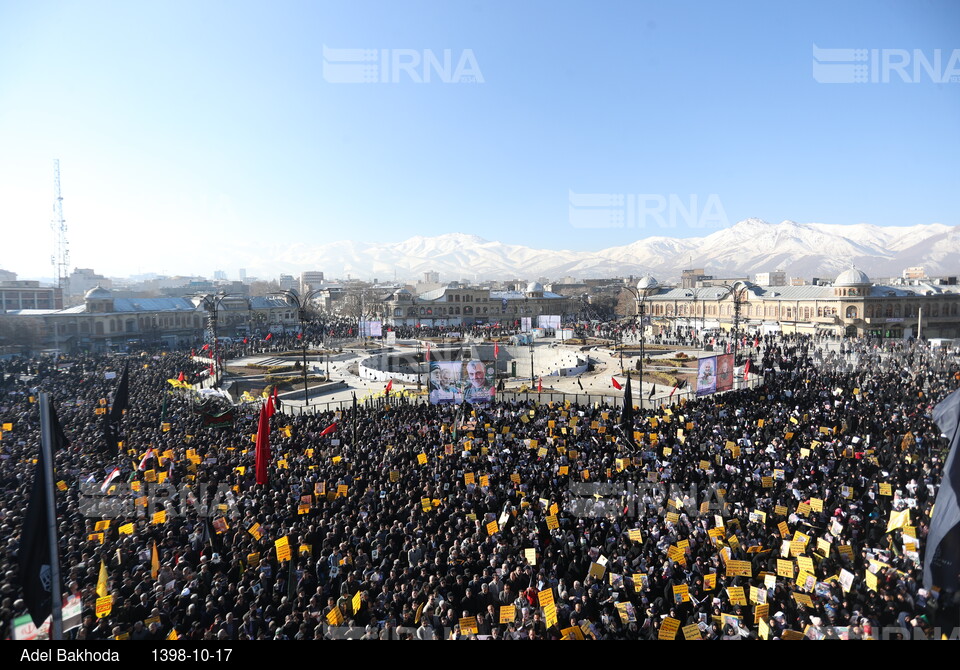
(579, 383)
(941, 564)
(36, 575)
(653, 388)
(626, 418)
(111, 420)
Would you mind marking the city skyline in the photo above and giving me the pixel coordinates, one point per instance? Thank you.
(194, 138)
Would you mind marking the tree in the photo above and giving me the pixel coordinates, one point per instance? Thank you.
(259, 289)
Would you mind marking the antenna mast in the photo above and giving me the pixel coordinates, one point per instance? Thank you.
(61, 260)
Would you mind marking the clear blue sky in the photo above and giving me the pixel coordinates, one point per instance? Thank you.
(182, 123)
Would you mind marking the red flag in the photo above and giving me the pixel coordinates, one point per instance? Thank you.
(180, 377)
(389, 386)
(263, 446)
(746, 370)
(617, 385)
(205, 347)
(299, 336)
(756, 342)
(540, 385)
(244, 340)
(193, 352)
(269, 335)
(263, 441)
(496, 350)
(329, 429)
(211, 369)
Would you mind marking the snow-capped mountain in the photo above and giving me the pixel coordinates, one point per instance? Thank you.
(746, 248)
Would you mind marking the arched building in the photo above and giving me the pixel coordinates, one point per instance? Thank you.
(852, 305)
(107, 323)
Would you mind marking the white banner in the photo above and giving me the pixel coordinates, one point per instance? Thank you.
(371, 329)
(549, 321)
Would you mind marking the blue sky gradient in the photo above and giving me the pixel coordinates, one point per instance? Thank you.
(180, 125)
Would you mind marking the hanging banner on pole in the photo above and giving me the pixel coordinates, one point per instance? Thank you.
(707, 375)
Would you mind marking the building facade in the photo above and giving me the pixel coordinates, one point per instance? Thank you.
(456, 305)
(25, 294)
(851, 306)
(108, 323)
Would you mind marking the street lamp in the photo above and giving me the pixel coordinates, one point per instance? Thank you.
(699, 332)
(644, 284)
(301, 303)
(211, 304)
(737, 291)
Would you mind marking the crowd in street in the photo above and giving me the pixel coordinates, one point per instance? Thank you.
(761, 512)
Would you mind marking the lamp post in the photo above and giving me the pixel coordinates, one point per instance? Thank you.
(301, 303)
(699, 332)
(737, 291)
(211, 304)
(638, 294)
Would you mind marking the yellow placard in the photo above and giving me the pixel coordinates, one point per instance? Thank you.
(736, 595)
(668, 629)
(104, 606)
(739, 569)
(334, 616)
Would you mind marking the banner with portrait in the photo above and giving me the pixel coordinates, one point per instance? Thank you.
(725, 372)
(707, 375)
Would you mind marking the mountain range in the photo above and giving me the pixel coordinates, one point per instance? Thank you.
(744, 249)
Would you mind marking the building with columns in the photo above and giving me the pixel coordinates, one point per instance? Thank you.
(851, 306)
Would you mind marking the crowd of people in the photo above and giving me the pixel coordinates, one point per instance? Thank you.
(761, 512)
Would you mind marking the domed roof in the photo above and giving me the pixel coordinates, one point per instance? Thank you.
(402, 291)
(97, 293)
(534, 287)
(647, 282)
(852, 277)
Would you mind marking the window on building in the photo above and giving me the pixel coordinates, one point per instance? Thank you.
(851, 312)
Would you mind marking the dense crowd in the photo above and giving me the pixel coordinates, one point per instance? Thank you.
(757, 513)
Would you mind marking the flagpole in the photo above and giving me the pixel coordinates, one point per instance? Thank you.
(46, 447)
